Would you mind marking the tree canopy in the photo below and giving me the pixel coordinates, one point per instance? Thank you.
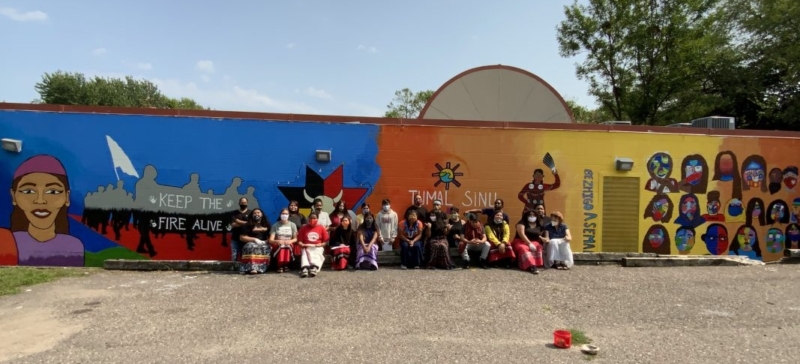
(75, 89)
(407, 104)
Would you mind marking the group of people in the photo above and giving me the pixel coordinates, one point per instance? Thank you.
(425, 238)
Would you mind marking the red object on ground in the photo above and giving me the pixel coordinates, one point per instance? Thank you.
(562, 339)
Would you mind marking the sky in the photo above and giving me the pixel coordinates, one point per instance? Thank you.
(344, 57)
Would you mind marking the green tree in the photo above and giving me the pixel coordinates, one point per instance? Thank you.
(75, 89)
(407, 104)
(583, 114)
(643, 57)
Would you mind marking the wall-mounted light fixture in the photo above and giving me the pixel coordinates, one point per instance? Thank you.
(323, 155)
(12, 145)
(623, 164)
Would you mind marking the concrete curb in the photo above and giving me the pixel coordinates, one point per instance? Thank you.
(392, 258)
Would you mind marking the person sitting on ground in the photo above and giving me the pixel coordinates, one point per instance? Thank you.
(312, 239)
(559, 251)
(256, 251)
(368, 237)
(411, 231)
(282, 238)
(498, 234)
(343, 244)
(490, 211)
(437, 249)
(527, 244)
(455, 228)
(474, 238)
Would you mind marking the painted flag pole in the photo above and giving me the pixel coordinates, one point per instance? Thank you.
(120, 159)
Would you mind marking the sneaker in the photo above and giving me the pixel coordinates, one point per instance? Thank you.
(534, 270)
(403, 267)
(314, 272)
(465, 264)
(483, 264)
(304, 273)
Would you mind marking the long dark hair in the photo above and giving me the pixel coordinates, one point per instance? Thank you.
(736, 177)
(735, 246)
(363, 226)
(524, 219)
(757, 159)
(345, 235)
(264, 222)
(702, 185)
(337, 210)
(497, 229)
(751, 205)
(20, 222)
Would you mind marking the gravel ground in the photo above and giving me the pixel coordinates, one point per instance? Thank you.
(635, 315)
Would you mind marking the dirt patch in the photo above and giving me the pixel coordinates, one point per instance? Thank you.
(31, 331)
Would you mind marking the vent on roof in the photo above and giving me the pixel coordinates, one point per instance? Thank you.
(715, 122)
(615, 122)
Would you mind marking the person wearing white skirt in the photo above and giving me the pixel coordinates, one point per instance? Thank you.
(559, 253)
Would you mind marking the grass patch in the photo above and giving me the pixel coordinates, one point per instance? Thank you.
(14, 278)
(579, 337)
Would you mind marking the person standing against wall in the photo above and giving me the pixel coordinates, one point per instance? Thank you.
(239, 219)
(489, 211)
(387, 224)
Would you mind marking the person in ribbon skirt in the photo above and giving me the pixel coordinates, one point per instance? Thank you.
(312, 239)
(255, 253)
(343, 241)
(368, 237)
(282, 238)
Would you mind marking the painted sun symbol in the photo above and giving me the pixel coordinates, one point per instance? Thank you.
(447, 175)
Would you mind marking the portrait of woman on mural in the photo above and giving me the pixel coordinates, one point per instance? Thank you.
(790, 178)
(39, 231)
(694, 174)
(726, 169)
(659, 166)
(792, 238)
(656, 240)
(716, 239)
(778, 213)
(753, 173)
(689, 214)
(755, 211)
(685, 239)
(659, 208)
(775, 180)
(713, 207)
(745, 243)
(734, 211)
(774, 240)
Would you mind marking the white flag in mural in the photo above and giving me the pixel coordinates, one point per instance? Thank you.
(120, 159)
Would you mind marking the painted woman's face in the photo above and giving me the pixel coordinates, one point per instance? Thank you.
(756, 209)
(713, 207)
(753, 174)
(777, 212)
(790, 180)
(661, 166)
(41, 196)
(693, 171)
(726, 167)
(775, 240)
(793, 236)
(656, 237)
(689, 207)
(660, 209)
(716, 239)
(684, 240)
(746, 237)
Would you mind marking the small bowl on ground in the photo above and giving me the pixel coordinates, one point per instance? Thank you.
(590, 349)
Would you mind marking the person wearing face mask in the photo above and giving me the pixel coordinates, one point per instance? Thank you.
(360, 217)
(490, 211)
(557, 234)
(387, 222)
(422, 216)
(474, 238)
(368, 236)
(312, 239)
(437, 251)
(455, 228)
(322, 217)
(343, 244)
(411, 230)
(239, 219)
(528, 243)
(282, 238)
(256, 251)
(499, 235)
(541, 214)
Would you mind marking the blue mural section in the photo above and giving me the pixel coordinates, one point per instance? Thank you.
(96, 187)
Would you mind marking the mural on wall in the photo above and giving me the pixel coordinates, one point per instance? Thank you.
(792, 237)
(778, 213)
(790, 178)
(746, 242)
(656, 240)
(659, 209)
(734, 210)
(753, 173)
(39, 228)
(713, 206)
(775, 240)
(755, 212)
(331, 190)
(694, 174)
(532, 194)
(726, 170)
(447, 175)
(689, 214)
(685, 239)
(715, 238)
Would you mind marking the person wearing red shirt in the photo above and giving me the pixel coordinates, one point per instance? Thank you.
(312, 239)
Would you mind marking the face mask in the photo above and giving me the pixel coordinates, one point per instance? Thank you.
(341, 207)
(312, 222)
(555, 223)
(433, 217)
(366, 211)
(386, 208)
(368, 222)
(498, 221)
(243, 206)
(256, 218)
(284, 217)
(454, 216)
(531, 218)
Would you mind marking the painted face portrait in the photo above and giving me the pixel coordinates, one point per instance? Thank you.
(753, 174)
(660, 165)
(757, 210)
(684, 240)
(735, 207)
(713, 207)
(694, 172)
(775, 240)
(689, 207)
(660, 209)
(726, 168)
(793, 236)
(41, 196)
(746, 236)
(778, 212)
(716, 239)
(790, 178)
(655, 237)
